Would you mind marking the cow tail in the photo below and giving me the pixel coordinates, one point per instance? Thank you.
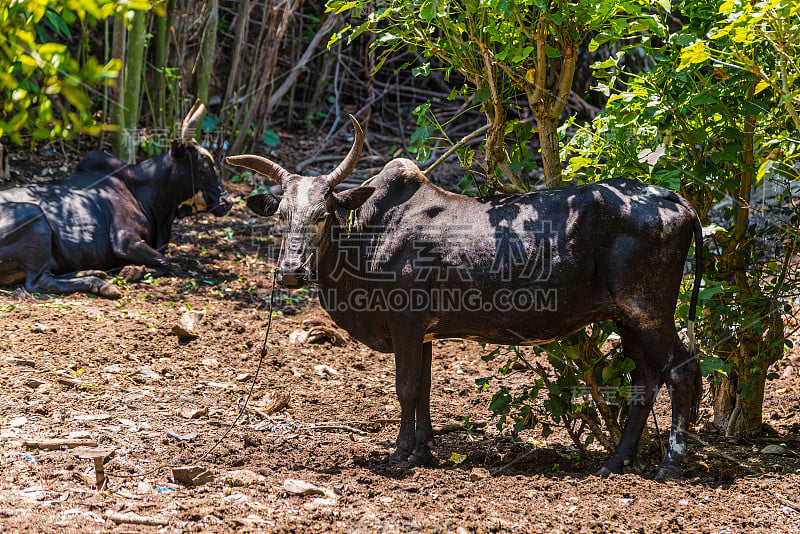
(698, 278)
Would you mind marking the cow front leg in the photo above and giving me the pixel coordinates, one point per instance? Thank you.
(422, 453)
(684, 382)
(412, 383)
(45, 282)
(138, 252)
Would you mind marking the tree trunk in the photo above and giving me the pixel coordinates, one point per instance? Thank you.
(550, 146)
(206, 59)
(548, 93)
(723, 394)
(118, 107)
(4, 174)
(739, 397)
(134, 61)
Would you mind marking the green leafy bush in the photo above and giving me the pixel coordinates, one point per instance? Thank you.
(503, 50)
(715, 119)
(45, 91)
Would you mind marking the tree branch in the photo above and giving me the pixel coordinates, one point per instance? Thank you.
(462, 142)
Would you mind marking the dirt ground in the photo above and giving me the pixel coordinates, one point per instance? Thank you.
(82, 368)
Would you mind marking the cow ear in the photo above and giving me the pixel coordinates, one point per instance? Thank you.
(178, 150)
(264, 205)
(353, 198)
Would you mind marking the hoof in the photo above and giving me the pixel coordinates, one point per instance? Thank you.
(603, 472)
(608, 470)
(97, 274)
(22, 294)
(667, 473)
(132, 273)
(401, 456)
(421, 458)
(109, 291)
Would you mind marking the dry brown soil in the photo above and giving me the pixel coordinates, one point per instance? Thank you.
(336, 432)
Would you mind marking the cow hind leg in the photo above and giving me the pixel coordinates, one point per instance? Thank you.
(645, 381)
(34, 253)
(684, 382)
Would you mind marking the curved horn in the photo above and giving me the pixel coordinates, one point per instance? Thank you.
(185, 120)
(349, 163)
(268, 168)
(190, 122)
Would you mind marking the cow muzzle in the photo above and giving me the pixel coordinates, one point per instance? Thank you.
(222, 206)
(293, 278)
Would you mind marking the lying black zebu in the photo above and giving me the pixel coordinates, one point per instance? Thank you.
(60, 236)
(401, 262)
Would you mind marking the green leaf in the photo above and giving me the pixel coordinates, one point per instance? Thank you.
(500, 402)
(483, 95)
(358, 31)
(271, 138)
(57, 24)
(670, 179)
(713, 364)
(608, 373)
(703, 98)
(75, 96)
(762, 170)
(693, 55)
(627, 365)
(571, 351)
(551, 52)
(760, 86)
(428, 11)
(422, 70)
(730, 152)
(342, 6)
(708, 292)
(210, 124)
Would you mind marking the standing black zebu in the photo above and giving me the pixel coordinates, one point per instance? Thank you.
(401, 262)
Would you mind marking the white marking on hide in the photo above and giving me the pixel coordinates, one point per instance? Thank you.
(677, 448)
(304, 234)
(304, 185)
(408, 166)
(668, 223)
